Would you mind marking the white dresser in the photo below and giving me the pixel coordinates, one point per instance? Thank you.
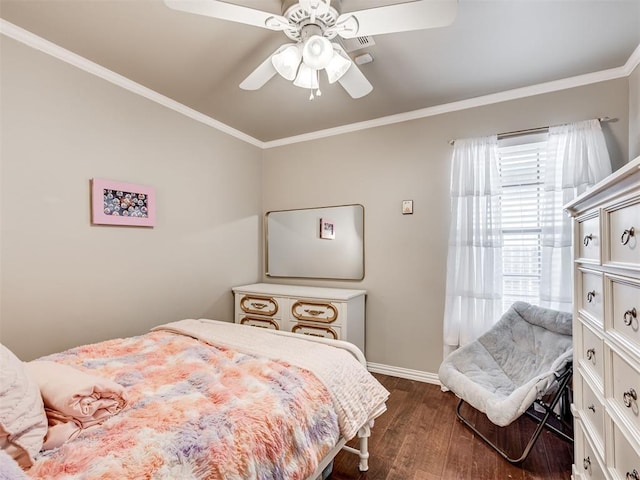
(606, 333)
(325, 312)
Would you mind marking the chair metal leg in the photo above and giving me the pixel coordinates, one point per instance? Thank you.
(542, 422)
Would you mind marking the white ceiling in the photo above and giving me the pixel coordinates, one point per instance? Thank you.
(199, 61)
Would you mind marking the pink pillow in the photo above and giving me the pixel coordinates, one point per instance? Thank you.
(23, 422)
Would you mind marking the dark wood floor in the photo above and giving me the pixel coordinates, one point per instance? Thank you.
(420, 438)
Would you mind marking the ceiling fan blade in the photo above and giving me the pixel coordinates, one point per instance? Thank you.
(354, 81)
(402, 17)
(231, 12)
(259, 76)
(263, 73)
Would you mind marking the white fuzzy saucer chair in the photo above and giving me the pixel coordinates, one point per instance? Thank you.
(524, 359)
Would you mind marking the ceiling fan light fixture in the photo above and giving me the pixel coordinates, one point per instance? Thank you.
(337, 67)
(307, 77)
(287, 61)
(317, 52)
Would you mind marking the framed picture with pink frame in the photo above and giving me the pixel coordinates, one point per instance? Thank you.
(119, 203)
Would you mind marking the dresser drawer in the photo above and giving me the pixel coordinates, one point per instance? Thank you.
(591, 299)
(606, 306)
(317, 330)
(592, 414)
(626, 460)
(589, 238)
(625, 308)
(317, 311)
(586, 460)
(624, 235)
(261, 304)
(262, 322)
(591, 355)
(626, 388)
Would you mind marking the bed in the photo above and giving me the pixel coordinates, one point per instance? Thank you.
(209, 399)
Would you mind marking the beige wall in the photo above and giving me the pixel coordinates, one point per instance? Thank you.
(405, 255)
(634, 114)
(65, 282)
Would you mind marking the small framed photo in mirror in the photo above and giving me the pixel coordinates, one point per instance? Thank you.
(327, 229)
(407, 207)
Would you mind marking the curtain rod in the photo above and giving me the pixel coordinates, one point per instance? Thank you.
(528, 131)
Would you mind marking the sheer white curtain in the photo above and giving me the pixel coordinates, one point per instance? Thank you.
(474, 261)
(577, 159)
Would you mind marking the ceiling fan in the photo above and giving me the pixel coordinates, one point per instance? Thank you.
(311, 25)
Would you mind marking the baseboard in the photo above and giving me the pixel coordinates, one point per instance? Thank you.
(407, 373)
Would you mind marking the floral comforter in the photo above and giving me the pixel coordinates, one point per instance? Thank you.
(196, 411)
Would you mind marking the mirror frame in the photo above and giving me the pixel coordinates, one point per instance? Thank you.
(319, 215)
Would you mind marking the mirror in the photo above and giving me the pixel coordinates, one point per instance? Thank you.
(326, 242)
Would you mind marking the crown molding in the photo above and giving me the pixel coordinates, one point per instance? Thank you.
(633, 62)
(56, 51)
(505, 96)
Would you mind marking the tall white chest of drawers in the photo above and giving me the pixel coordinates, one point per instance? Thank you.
(336, 313)
(606, 407)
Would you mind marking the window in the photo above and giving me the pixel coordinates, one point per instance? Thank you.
(521, 163)
(499, 203)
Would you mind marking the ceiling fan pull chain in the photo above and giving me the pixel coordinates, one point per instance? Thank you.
(312, 84)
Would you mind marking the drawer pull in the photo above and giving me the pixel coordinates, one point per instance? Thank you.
(591, 295)
(629, 315)
(591, 353)
(626, 236)
(629, 397)
(586, 463)
(587, 239)
(260, 322)
(258, 304)
(592, 407)
(330, 331)
(314, 311)
(633, 475)
(313, 334)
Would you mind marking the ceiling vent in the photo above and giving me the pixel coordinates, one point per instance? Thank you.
(357, 43)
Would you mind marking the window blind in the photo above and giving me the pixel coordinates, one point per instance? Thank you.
(521, 169)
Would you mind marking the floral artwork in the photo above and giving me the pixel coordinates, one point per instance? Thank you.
(117, 203)
(127, 204)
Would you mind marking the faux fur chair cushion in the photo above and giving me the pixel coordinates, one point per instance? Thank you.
(505, 370)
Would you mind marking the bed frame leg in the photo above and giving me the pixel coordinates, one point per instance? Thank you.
(363, 434)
